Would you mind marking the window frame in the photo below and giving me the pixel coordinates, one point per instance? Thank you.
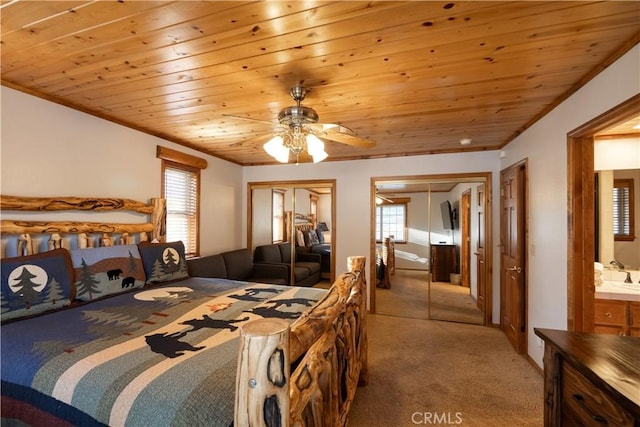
(280, 219)
(168, 164)
(624, 183)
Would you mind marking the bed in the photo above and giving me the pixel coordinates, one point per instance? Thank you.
(179, 350)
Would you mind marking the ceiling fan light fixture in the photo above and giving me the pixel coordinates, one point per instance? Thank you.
(276, 149)
(317, 158)
(315, 148)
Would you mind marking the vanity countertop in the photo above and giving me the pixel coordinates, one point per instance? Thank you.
(618, 291)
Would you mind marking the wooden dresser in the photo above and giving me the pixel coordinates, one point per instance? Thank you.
(445, 262)
(590, 379)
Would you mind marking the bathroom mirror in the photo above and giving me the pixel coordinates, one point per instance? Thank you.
(623, 252)
(617, 161)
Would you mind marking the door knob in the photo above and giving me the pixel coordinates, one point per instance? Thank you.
(516, 269)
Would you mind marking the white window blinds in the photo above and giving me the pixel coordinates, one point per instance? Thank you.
(621, 211)
(623, 227)
(181, 191)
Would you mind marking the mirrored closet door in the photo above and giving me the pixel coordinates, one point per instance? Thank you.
(437, 223)
(298, 217)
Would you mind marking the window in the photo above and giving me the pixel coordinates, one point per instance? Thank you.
(391, 220)
(623, 224)
(181, 189)
(278, 215)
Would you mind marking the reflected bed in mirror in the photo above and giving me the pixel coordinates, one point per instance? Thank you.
(311, 236)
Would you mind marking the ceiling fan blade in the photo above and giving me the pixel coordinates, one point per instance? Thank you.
(250, 119)
(345, 138)
(379, 196)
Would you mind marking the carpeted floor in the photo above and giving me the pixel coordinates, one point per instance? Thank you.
(427, 372)
(408, 297)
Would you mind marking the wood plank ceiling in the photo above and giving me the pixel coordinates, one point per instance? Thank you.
(415, 77)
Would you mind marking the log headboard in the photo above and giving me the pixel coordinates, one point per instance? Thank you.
(301, 222)
(107, 232)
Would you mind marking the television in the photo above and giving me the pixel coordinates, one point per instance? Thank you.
(447, 215)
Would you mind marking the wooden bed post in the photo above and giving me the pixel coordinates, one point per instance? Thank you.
(262, 384)
(358, 264)
(329, 346)
(159, 219)
(25, 245)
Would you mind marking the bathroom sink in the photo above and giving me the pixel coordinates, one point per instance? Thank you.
(622, 285)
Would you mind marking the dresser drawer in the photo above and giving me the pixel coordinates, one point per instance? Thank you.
(610, 312)
(583, 403)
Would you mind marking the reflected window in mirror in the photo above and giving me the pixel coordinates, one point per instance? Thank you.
(623, 215)
(391, 220)
(277, 210)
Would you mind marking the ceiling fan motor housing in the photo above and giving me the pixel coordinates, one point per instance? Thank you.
(297, 115)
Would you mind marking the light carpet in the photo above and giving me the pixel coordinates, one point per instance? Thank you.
(426, 372)
(409, 296)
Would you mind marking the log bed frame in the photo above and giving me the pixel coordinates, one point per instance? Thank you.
(300, 374)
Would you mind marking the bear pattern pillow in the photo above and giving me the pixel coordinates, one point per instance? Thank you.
(107, 270)
(164, 262)
(36, 283)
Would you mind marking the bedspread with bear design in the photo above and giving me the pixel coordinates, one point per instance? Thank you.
(164, 355)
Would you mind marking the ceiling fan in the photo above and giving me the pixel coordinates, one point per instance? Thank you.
(380, 199)
(298, 128)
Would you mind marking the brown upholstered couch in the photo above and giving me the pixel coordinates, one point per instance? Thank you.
(238, 265)
(306, 267)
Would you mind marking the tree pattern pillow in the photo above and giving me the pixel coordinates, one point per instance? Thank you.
(35, 283)
(164, 262)
(106, 271)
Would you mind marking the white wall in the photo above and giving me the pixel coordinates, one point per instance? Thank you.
(51, 150)
(413, 254)
(545, 147)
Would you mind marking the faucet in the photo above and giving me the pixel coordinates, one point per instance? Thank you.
(617, 264)
(628, 279)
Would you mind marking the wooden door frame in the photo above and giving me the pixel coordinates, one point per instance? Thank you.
(486, 179)
(522, 345)
(465, 235)
(581, 212)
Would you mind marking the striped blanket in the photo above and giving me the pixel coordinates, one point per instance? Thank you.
(154, 357)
